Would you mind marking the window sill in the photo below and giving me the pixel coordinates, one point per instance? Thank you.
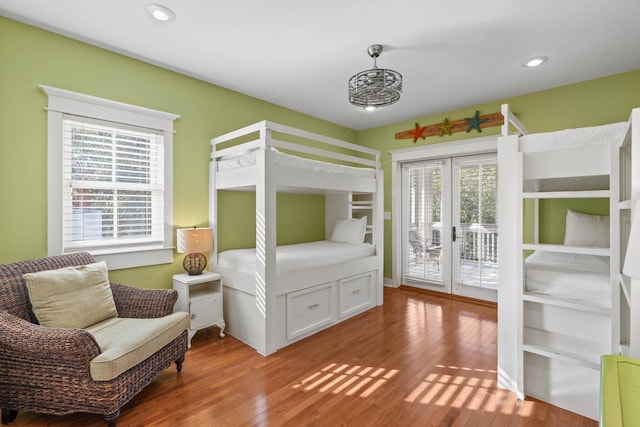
(138, 257)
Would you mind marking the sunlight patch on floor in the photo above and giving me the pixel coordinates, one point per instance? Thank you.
(467, 388)
(354, 380)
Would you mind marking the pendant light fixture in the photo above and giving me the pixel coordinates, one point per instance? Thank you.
(377, 87)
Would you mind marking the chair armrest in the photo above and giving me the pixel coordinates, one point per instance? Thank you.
(55, 346)
(141, 303)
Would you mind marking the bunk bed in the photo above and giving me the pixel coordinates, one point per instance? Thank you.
(276, 295)
(569, 301)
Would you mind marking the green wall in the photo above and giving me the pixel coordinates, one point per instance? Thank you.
(31, 56)
(590, 103)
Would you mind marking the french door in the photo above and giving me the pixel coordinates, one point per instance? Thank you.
(449, 225)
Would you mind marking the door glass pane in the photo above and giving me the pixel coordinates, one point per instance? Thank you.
(423, 230)
(477, 225)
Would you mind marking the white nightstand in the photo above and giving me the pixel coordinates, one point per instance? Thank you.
(201, 297)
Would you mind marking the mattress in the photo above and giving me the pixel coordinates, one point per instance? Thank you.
(284, 159)
(569, 276)
(573, 138)
(297, 257)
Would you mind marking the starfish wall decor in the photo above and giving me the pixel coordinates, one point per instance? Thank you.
(447, 127)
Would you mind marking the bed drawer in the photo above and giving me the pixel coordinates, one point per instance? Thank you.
(309, 309)
(356, 294)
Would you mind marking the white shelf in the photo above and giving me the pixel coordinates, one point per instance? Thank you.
(559, 302)
(553, 353)
(625, 204)
(566, 249)
(566, 194)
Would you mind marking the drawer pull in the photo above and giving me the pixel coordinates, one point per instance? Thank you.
(312, 306)
(357, 291)
(193, 316)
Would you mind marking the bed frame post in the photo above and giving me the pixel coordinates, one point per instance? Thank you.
(511, 120)
(378, 232)
(266, 245)
(510, 362)
(615, 196)
(213, 207)
(634, 338)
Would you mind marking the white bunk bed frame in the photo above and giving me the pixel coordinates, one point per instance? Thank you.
(269, 311)
(550, 348)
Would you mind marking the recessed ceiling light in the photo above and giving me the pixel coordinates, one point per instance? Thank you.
(535, 61)
(161, 13)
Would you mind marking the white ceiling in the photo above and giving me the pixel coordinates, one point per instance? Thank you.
(300, 54)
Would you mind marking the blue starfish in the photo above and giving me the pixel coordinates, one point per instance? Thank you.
(475, 122)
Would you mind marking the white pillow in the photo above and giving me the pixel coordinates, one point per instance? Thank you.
(350, 230)
(244, 152)
(586, 230)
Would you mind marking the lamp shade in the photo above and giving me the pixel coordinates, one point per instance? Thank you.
(195, 240)
(632, 260)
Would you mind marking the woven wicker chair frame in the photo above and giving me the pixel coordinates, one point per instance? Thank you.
(46, 370)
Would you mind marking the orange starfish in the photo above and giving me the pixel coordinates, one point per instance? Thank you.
(417, 132)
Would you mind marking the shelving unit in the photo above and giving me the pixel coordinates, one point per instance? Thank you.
(559, 342)
(570, 336)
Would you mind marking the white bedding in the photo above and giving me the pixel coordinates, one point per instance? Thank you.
(283, 159)
(572, 138)
(569, 276)
(296, 257)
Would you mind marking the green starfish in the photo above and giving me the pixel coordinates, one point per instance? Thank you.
(475, 122)
(445, 127)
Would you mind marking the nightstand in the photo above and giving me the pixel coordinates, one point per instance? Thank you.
(201, 297)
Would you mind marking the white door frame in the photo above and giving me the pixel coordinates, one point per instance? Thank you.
(465, 147)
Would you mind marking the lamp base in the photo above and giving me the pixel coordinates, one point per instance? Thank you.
(194, 264)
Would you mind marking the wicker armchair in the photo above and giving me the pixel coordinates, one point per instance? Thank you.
(47, 370)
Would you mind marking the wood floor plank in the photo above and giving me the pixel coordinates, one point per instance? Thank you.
(418, 360)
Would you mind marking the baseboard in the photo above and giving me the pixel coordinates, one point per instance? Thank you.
(450, 296)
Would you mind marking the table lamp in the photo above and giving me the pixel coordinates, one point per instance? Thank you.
(632, 259)
(194, 241)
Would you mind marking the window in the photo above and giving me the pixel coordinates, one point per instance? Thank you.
(110, 180)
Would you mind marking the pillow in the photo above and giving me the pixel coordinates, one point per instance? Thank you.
(235, 155)
(586, 230)
(243, 152)
(71, 297)
(350, 230)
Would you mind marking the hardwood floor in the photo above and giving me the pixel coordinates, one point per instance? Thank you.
(418, 360)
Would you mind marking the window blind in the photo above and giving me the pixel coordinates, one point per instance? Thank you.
(113, 184)
(476, 204)
(424, 191)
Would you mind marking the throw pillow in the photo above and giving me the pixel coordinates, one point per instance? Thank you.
(71, 297)
(350, 230)
(586, 230)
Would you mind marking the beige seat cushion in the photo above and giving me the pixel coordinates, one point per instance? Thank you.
(126, 342)
(71, 297)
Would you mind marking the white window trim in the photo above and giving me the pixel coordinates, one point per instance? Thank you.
(66, 102)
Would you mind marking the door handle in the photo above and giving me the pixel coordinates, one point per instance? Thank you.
(453, 233)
